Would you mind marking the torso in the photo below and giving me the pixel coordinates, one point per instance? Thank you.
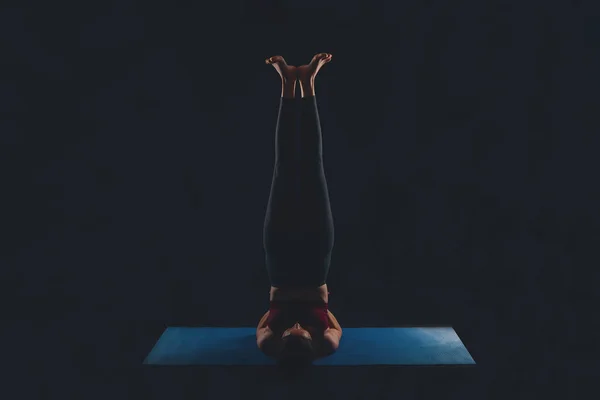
(300, 294)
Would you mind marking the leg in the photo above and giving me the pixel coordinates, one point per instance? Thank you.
(298, 235)
(315, 209)
(279, 217)
(316, 213)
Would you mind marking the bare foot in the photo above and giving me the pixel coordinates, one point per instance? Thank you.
(310, 70)
(287, 72)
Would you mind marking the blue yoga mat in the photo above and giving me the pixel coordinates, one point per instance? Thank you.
(359, 346)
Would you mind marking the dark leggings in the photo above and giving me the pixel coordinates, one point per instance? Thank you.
(298, 230)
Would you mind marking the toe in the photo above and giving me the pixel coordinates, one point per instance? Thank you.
(278, 60)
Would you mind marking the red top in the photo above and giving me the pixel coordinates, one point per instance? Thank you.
(282, 315)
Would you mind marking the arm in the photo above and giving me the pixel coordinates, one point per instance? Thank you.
(333, 322)
(332, 335)
(263, 321)
(265, 339)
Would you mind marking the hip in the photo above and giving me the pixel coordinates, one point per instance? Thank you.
(319, 293)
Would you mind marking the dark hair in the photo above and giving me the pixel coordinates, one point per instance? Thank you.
(296, 351)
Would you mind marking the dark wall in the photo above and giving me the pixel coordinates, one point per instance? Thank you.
(137, 147)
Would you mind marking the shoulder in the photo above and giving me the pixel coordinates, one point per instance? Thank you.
(331, 341)
(266, 341)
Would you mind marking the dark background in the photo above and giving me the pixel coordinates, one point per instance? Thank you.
(137, 150)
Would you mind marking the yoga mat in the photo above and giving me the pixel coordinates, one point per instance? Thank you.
(359, 346)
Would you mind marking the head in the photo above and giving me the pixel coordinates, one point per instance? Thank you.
(296, 347)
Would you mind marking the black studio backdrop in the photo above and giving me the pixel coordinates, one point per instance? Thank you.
(460, 149)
